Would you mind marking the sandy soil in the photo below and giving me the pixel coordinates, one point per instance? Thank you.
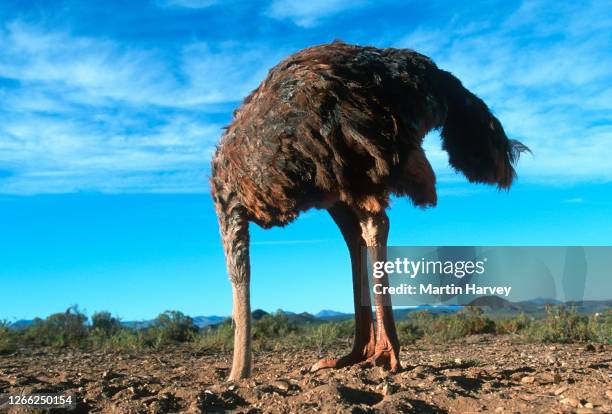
(478, 374)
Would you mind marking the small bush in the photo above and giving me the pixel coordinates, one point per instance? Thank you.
(408, 332)
(7, 338)
(216, 338)
(601, 327)
(327, 335)
(563, 324)
(471, 321)
(467, 321)
(273, 326)
(277, 331)
(104, 324)
(173, 326)
(66, 329)
(514, 325)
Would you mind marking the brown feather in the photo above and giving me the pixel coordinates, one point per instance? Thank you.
(339, 122)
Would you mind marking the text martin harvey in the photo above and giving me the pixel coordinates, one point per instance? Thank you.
(430, 289)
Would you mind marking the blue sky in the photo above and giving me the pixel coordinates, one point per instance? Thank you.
(111, 110)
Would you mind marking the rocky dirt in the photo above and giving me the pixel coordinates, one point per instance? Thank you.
(478, 374)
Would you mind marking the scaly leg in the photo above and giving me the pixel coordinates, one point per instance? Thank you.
(235, 234)
(375, 231)
(365, 342)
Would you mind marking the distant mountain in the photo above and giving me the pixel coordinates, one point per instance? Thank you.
(203, 321)
(199, 321)
(302, 317)
(296, 317)
(137, 324)
(538, 305)
(545, 301)
(22, 323)
(493, 302)
(403, 313)
(286, 312)
(328, 314)
(591, 306)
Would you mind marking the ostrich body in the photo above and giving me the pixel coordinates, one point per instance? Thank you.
(340, 127)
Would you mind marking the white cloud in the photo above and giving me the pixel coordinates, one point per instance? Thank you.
(51, 155)
(82, 113)
(309, 13)
(89, 114)
(94, 71)
(544, 70)
(89, 70)
(219, 75)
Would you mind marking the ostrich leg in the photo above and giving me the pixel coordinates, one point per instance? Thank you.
(375, 231)
(364, 344)
(235, 234)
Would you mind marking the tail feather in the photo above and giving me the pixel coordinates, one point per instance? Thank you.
(516, 149)
(474, 138)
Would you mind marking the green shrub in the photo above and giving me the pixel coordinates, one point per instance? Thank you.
(7, 338)
(273, 326)
(601, 327)
(471, 321)
(467, 321)
(408, 332)
(327, 335)
(513, 325)
(66, 329)
(563, 324)
(216, 338)
(172, 326)
(103, 323)
(277, 331)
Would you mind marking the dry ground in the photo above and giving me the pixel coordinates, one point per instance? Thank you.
(477, 374)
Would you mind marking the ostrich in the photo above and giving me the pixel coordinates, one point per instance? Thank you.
(340, 127)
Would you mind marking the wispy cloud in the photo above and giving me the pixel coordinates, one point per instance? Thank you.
(88, 114)
(544, 69)
(99, 112)
(310, 13)
(94, 71)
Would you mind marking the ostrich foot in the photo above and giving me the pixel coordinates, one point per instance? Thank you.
(387, 358)
(356, 356)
